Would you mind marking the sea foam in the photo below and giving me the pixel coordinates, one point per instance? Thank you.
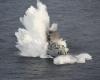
(71, 59)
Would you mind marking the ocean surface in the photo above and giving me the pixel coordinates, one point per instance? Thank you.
(79, 24)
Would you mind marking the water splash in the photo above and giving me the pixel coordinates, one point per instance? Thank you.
(32, 39)
(71, 59)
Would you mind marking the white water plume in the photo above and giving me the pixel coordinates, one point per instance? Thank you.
(32, 39)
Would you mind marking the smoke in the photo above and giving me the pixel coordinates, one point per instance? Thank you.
(32, 39)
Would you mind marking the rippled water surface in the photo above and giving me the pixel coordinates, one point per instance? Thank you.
(79, 24)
